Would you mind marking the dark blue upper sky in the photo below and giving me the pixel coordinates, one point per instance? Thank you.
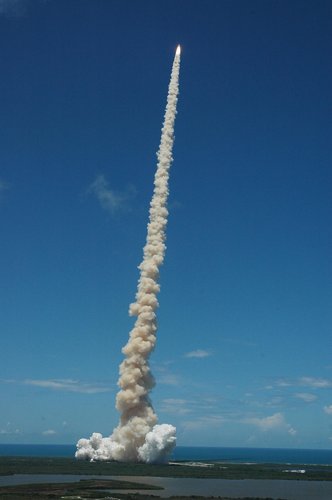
(243, 355)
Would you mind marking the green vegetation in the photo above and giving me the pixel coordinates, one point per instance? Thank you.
(102, 489)
(91, 489)
(87, 489)
(216, 470)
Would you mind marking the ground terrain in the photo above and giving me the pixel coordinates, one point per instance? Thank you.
(101, 488)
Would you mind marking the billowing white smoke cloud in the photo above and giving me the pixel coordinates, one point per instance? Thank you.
(138, 437)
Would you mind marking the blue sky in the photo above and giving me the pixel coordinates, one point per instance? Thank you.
(243, 356)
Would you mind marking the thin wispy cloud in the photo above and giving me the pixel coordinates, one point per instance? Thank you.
(13, 8)
(175, 401)
(199, 353)
(275, 401)
(328, 409)
(165, 375)
(49, 432)
(67, 385)
(9, 432)
(110, 200)
(313, 382)
(204, 422)
(161, 366)
(198, 406)
(307, 397)
(9, 429)
(169, 379)
(176, 406)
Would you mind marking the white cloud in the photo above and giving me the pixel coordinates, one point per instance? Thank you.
(275, 401)
(267, 423)
(273, 422)
(110, 200)
(67, 385)
(204, 422)
(49, 432)
(284, 383)
(307, 397)
(328, 409)
(7, 431)
(169, 379)
(175, 401)
(196, 406)
(199, 353)
(177, 406)
(315, 382)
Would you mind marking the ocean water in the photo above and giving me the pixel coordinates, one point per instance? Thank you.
(254, 455)
(240, 455)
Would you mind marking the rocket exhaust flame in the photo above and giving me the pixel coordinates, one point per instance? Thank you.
(138, 437)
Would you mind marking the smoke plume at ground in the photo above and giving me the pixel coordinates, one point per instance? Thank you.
(138, 437)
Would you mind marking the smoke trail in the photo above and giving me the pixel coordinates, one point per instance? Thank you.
(138, 437)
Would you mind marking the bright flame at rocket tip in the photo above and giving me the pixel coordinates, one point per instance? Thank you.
(178, 50)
